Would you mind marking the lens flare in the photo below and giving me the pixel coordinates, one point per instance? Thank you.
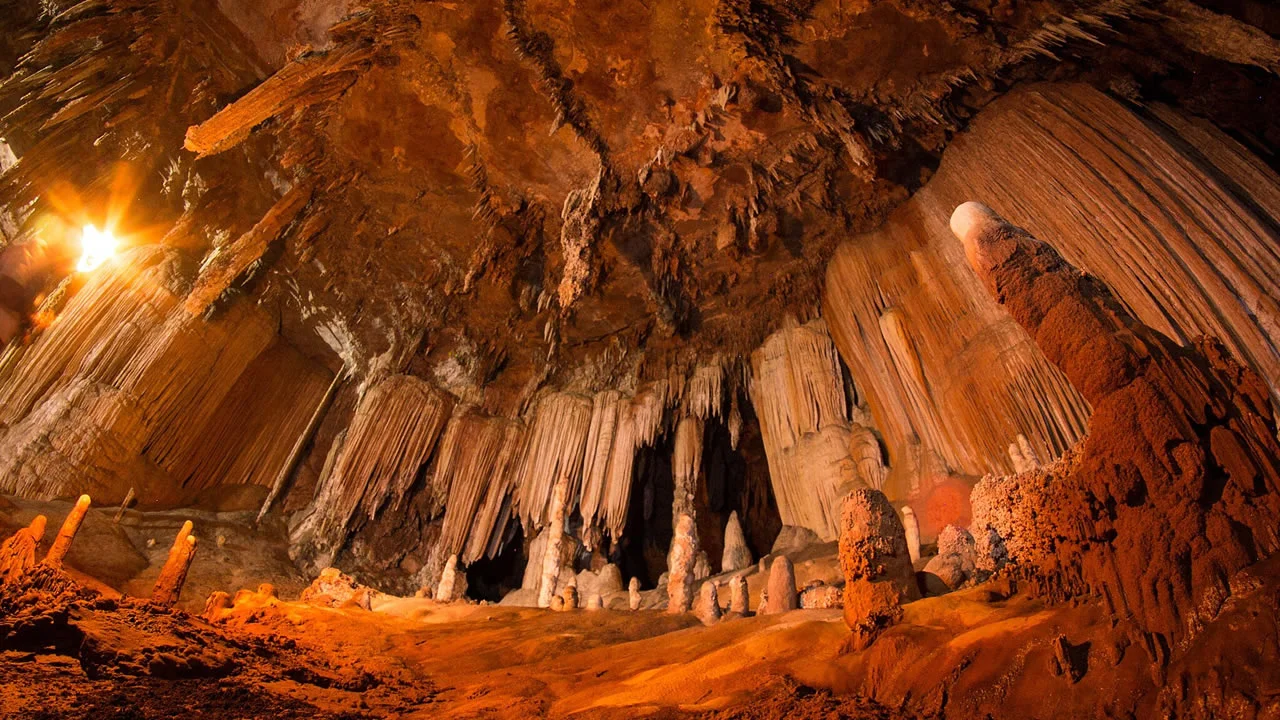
(97, 246)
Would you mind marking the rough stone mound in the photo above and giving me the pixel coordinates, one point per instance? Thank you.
(333, 588)
(1181, 454)
(954, 565)
(876, 564)
(821, 596)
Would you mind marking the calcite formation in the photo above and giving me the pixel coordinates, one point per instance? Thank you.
(173, 574)
(681, 583)
(739, 597)
(67, 533)
(1181, 455)
(781, 591)
(876, 563)
(18, 552)
(708, 607)
(736, 554)
(956, 561)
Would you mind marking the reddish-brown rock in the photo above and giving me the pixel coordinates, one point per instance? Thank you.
(876, 565)
(1174, 490)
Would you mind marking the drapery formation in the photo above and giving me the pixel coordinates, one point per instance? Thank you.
(125, 390)
(1175, 217)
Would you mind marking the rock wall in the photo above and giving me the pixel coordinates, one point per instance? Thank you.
(124, 389)
(1178, 219)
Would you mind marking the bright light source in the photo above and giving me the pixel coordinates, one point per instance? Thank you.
(96, 247)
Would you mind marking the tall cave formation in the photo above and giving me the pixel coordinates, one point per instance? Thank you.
(639, 358)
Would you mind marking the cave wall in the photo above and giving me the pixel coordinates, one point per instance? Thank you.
(124, 389)
(1177, 218)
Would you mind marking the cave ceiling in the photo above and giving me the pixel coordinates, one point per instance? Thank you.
(502, 194)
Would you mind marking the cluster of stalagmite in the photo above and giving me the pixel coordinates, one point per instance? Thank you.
(18, 552)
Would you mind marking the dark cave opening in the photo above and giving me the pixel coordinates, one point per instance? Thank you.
(491, 578)
(735, 480)
(642, 550)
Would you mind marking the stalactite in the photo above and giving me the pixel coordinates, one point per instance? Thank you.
(1179, 229)
(686, 466)
(248, 438)
(605, 411)
(473, 471)
(799, 396)
(557, 443)
(390, 438)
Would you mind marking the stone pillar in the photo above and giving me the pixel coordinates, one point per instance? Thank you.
(70, 527)
(633, 593)
(174, 573)
(912, 528)
(684, 552)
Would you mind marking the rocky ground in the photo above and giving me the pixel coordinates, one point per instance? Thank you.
(988, 650)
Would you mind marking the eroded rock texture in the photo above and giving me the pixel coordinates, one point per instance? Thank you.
(1177, 486)
(1175, 217)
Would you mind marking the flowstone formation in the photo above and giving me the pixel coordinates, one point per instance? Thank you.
(1175, 489)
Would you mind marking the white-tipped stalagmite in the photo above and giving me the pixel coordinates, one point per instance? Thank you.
(912, 526)
(70, 526)
(174, 573)
(448, 579)
(736, 553)
(633, 594)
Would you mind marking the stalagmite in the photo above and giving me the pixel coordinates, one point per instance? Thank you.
(70, 526)
(708, 610)
(739, 599)
(912, 528)
(18, 553)
(736, 553)
(174, 572)
(555, 539)
(570, 597)
(444, 591)
(124, 505)
(782, 588)
(633, 594)
(684, 551)
(1181, 455)
(876, 563)
(595, 602)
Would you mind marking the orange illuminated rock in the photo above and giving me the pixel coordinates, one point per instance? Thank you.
(70, 526)
(18, 553)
